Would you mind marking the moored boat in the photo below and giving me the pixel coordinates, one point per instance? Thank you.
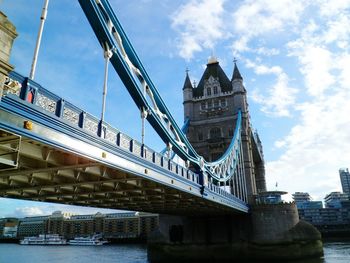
(49, 239)
(95, 240)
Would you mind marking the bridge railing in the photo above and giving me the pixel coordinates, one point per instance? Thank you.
(36, 95)
(33, 93)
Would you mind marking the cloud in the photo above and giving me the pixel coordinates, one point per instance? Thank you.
(333, 8)
(28, 211)
(259, 18)
(199, 24)
(44, 209)
(280, 96)
(318, 144)
(315, 148)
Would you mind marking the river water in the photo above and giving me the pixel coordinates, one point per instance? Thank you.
(335, 252)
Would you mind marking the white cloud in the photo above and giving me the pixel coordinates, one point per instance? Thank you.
(255, 18)
(315, 148)
(267, 51)
(28, 211)
(333, 8)
(318, 145)
(315, 66)
(200, 25)
(280, 96)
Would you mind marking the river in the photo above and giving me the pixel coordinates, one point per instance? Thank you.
(335, 252)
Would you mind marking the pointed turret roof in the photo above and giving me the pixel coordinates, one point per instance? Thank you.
(215, 70)
(187, 84)
(236, 74)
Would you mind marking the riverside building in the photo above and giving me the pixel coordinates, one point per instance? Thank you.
(332, 220)
(128, 225)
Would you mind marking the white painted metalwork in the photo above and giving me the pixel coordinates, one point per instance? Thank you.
(38, 41)
(70, 115)
(107, 53)
(46, 103)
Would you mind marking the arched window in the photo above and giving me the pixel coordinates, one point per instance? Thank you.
(215, 133)
(215, 90)
(209, 91)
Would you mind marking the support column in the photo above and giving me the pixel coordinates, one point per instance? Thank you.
(198, 238)
(269, 233)
(7, 35)
(260, 177)
(248, 161)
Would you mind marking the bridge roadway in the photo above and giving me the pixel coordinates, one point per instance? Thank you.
(52, 151)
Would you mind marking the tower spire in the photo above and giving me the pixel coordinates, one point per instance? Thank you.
(236, 74)
(187, 84)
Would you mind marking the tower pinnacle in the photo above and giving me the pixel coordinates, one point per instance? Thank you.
(187, 84)
(236, 74)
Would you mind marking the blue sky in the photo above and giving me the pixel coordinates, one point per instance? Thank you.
(294, 57)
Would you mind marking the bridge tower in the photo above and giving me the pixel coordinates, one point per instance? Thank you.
(212, 107)
(7, 35)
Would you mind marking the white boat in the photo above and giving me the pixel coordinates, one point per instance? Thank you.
(49, 239)
(95, 240)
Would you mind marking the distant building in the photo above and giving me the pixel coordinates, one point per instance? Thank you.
(335, 199)
(304, 201)
(301, 197)
(32, 226)
(113, 226)
(333, 220)
(320, 217)
(8, 227)
(270, 197)
(345, 180)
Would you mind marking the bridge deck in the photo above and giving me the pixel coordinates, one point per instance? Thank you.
(50, 154)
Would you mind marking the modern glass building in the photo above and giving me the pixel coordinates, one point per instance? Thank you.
(345, 180)
(335, 199)
(304, 201)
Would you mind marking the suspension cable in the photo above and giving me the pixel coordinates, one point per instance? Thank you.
(107, 53)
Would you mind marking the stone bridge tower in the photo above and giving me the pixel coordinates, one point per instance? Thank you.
(212, 107)
(7, 35)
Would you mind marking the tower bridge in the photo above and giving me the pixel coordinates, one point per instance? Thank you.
(53, 151)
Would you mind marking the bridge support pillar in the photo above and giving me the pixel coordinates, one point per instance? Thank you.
(7, 35)
(267, 233)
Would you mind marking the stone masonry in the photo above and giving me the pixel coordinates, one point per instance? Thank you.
(212, 108)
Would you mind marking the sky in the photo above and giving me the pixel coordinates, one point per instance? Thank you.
(294, 57)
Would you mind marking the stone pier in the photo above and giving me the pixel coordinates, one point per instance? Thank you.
(269, 232)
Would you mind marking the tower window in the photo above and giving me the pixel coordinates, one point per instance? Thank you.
(209, 91)
(215, 133)
(215, 90)
(216, 103)
(223, 102)
(200, 136)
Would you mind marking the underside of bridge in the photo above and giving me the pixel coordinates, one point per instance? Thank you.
(35, 171)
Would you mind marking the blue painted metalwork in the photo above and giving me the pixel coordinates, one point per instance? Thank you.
(184, 129)
(125, 61)
(56, 114)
